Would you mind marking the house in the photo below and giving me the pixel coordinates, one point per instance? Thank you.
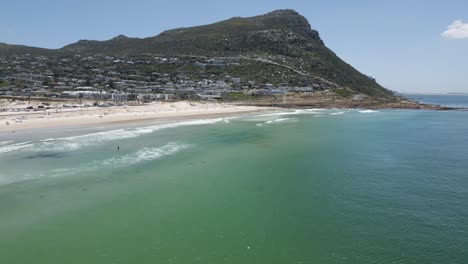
(155, 97)
(221, 84)
(92, 95)
(209, 96)
(95, 95)
(120, 96)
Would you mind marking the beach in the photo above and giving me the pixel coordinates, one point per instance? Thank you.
(12, 121)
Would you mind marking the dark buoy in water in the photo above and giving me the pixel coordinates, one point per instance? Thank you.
(118, 148)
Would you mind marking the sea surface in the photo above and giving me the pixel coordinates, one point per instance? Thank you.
(300, 186)
(450, 100)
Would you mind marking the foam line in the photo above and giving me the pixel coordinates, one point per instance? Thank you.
(77, 142)
(368, 111)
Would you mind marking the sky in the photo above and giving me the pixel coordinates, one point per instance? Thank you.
(407, 45)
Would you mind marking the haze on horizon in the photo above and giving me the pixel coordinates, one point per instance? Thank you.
(418, 47)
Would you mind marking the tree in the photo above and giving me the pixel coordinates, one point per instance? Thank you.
(47, 82)
(56, 76)
(111, 84)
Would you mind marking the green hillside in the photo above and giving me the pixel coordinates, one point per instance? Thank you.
(281, 41)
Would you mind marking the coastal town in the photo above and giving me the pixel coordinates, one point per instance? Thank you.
(121, 79)
(39, 90)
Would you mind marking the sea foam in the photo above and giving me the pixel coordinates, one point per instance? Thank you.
(77, 142)
(143, 155)
(14, 147)
(368, 111)
(337, 113)
(295, 112)
(278, 120)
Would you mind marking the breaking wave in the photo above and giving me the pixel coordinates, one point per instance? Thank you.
(337, 113)
(77, 142)
(278, 120)
(144, 155)
(295, 112)
(5, 142)
(368, 111)
(14, 147)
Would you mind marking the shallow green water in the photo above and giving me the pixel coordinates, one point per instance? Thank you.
(310, 187)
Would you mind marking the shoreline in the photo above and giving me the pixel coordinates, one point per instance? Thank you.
(340, 103)
(12, 122)
(15, 121)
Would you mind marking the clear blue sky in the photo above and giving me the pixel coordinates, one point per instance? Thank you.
(398, 42)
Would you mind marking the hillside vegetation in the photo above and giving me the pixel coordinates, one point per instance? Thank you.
(280, 45)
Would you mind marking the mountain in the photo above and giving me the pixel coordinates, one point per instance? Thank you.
(282, 31)
(8, 50)
(281, 41)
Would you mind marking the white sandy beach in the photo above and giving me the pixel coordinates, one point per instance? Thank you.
(13, 121)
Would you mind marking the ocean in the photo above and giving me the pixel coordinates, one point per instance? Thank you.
(298, 186)
(450, 100)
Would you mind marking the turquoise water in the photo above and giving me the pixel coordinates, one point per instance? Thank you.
(450, 100)
(306, 186)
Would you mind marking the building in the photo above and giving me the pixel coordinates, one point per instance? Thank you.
(155, 97)
(209, 96)
(120, 96)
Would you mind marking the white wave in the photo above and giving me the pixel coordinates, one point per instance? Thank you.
(368, 111)
(185, 123)
(295, 112)
(143, 155)
(278, 115)
(73, 143)
(6, 142)
(77, 142)
(281, 120)
(14, 147)
(316, 109)
(278, 120)
(146, 154)
(337, 113)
